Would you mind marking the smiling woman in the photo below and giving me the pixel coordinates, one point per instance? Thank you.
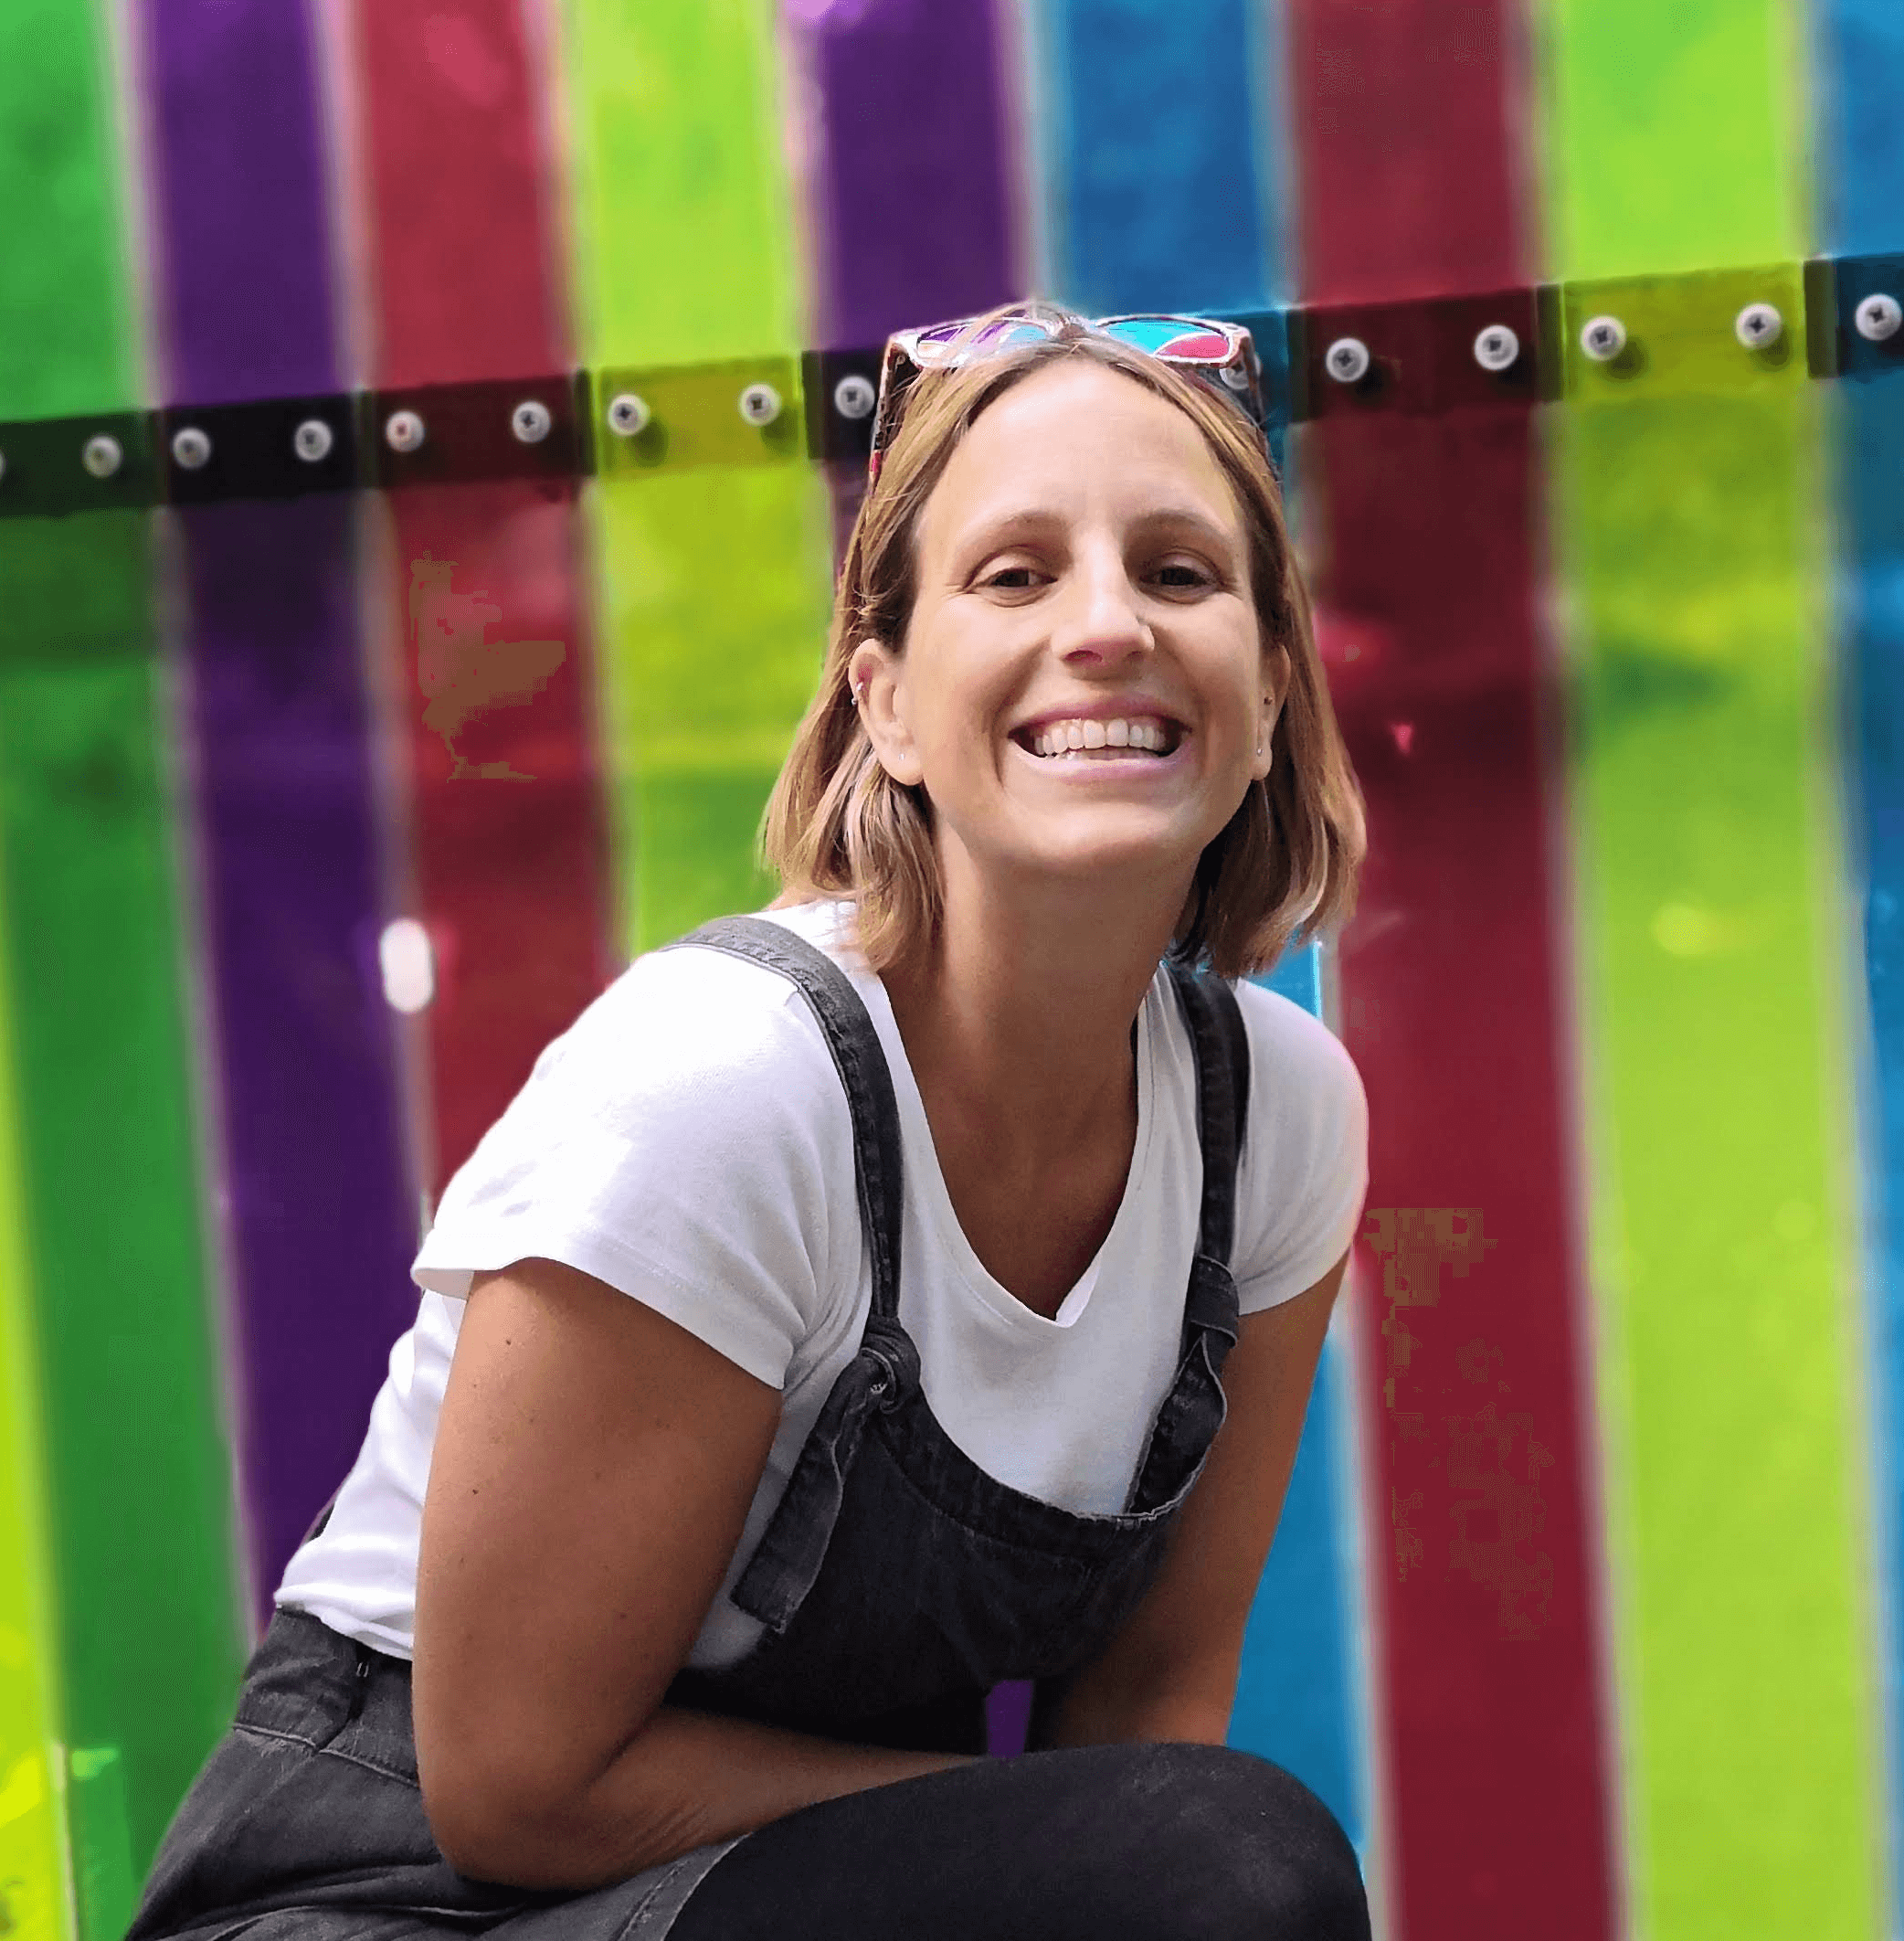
(911, 1287)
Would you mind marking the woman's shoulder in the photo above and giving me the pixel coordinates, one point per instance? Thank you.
(697, 1025)
(1305, 1164)
(1292, 1051)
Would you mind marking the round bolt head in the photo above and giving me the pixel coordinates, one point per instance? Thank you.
(1346, 360)
(313, 441)
(1602, 338)
(628, 415)
(854, 397)
(1497, 348)
(403, 431)
(190, 448)
(530, 422)
(760, 404)
(1758, 325)
(102, 456)
(1878, 317)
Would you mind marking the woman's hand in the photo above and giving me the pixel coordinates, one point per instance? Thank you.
(1170, 1672)
(592, 1472)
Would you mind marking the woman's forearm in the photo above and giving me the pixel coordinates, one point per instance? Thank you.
(687, 1778)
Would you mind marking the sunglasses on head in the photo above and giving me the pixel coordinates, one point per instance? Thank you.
(1222, 354)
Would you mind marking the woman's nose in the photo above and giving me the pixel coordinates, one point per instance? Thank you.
(1103, 621)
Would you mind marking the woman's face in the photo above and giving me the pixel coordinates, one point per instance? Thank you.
(1082, 575)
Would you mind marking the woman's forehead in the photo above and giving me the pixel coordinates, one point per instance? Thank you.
(1079, 438)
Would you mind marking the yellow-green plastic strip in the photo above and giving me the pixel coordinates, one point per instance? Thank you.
(1713, 977)
(711, 540)
(34, 1902)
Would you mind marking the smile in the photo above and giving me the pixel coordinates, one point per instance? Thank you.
(1143, 735)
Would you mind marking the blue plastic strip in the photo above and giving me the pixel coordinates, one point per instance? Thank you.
(1299, 1698)
(1871, 520)
(1858, 62)
(1858, 75)
(1158, 192)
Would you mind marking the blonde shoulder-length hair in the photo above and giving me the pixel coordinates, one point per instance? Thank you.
(837, 825)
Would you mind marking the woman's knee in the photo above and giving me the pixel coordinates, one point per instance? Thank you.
(1228, 1844)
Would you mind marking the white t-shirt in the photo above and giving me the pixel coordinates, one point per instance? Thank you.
(687, 1140)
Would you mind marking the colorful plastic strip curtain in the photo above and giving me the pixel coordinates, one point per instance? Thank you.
(1159, 193)
(1712, 969)
(311, 1109)
(1496, 1807)
(493, 675)
(714, 565)
(140, 1507)
(1859, 70)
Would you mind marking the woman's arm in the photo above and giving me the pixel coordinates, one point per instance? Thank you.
(1170, 1672)
(592, 1470)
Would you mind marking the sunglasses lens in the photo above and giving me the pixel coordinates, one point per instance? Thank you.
(1172, 337)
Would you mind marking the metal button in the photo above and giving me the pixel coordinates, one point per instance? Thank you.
(313, 441)
(102, 456)
(1497, 348)
(1346, 360)
(628, 415)
(191, 448)
(1602, 338)
(530, 422)
(1878, 317)
(1758, 325)
(760, 404)
(854, 397)
(403, 431)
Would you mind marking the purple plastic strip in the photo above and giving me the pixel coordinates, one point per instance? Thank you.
(917, 220)
(318, 1204)
(239, 200)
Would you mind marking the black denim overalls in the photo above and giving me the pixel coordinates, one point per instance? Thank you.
(898, 1582)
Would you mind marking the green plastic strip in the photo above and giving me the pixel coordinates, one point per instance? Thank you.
(66, 345)
(151, 1632)
(1723, 1260)
(150, 1639)
(1674, 136)
(687, 248)
(33, 1881)
(712, 533)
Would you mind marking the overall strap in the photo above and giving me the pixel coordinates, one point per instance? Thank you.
(861, 1063)
(1221, 1046)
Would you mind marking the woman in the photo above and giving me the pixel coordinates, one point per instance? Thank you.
(845, 1315)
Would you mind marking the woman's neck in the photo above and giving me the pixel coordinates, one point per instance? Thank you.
(1017, 1024)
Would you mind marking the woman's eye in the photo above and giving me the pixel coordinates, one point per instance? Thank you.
(1013, 580)
(1181, 575)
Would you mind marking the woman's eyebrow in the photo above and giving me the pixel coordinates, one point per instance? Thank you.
(996, 529)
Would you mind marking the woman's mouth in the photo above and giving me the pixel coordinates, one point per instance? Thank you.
(1081, 739)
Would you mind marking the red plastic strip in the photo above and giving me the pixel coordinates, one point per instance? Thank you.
(1495, 1782)
(496, 669)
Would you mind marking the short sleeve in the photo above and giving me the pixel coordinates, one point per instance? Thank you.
(1305, 1169)
(683, 1141)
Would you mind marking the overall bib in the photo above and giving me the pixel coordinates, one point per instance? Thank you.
(896, 1582)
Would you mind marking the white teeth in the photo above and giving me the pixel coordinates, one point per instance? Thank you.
(1061, 736)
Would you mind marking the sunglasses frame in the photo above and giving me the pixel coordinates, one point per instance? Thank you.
(1235, 374)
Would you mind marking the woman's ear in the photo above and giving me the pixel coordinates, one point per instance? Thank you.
(877, 675)
(1276, 684)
